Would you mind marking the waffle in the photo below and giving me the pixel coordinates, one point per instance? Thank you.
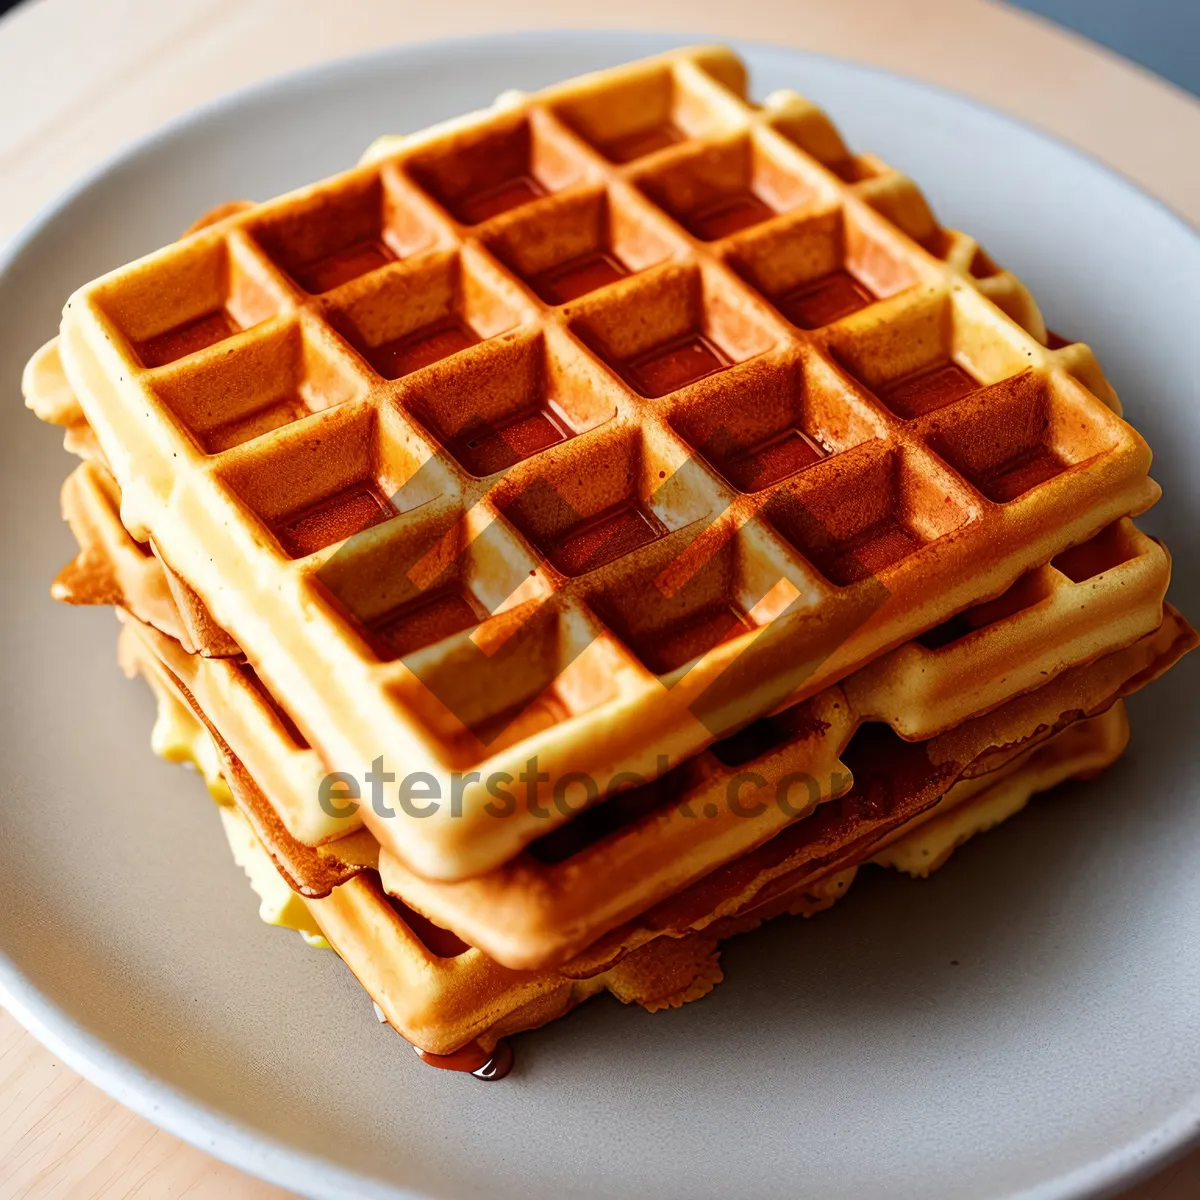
(443, 995)
(566, 899)
(628, 433)
(721, 501)
(640, 847)
(687, 965)
(647, 842)
(112, 568)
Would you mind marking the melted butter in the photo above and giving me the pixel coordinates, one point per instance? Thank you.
(179, 737)
(278, 904)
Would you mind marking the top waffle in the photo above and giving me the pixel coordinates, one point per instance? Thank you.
(567, 437)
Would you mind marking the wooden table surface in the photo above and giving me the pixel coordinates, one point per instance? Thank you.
(80, 78)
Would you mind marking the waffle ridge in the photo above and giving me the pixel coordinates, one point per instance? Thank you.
(906, 514)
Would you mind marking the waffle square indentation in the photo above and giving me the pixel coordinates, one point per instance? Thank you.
(332, 519)
(818, 269)
(330, 479)
(1016, 435)
(778, 420)
(602, 498)
(337, 235)
(932, 350)
(270, 380)
(421, 315)
(860, 513)
(1111, 548)
(190, 297)
(577, 245)
(1031, 589)
(721, 189)
(422, 622)
(187, 338)
(509, 402)
(647, 112)
(679, 603)
(672, 330)
(928, 389)
(480, 174)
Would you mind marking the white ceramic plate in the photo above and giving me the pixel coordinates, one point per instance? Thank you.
(1027, 1023)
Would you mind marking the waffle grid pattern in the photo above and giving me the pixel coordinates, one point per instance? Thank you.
(642, 845)
(1090, 601)
(944, 450)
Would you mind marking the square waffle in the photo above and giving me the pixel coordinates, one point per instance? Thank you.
(560, 895)
(670, 970)
(641, 846)
(453, 1003)
(586, 430)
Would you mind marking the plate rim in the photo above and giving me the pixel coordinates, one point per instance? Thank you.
(255, 1152)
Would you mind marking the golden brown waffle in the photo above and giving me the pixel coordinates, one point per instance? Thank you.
(641, 846)
(313, 849)
(112, 568)
(1081, 751)
(435, 990)
(567, 894)
(1112, 596)
(649, 841)
(1084, 603)
(371, 940)
(256, 404)
(441, 994)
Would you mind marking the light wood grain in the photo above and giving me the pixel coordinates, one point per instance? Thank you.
(62, 1137)
(81, 78)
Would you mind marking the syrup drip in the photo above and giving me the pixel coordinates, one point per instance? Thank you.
(473, 1059)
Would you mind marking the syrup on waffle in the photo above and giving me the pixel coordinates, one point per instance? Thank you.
(680, 379)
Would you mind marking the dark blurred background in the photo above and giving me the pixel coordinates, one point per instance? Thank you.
(1163, 35)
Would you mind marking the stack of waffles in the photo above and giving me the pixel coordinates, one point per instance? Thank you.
(593, 526)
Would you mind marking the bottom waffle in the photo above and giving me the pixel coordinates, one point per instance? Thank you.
(451, 1001)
